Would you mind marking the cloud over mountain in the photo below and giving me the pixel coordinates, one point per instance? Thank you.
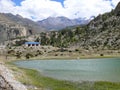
(41, 9)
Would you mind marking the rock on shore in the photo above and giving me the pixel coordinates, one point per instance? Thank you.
(7, 80)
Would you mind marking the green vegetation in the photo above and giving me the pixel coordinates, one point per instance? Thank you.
(101, 33)
(28, 55)
(101, 54)
(49, 83)
(40, 81)
(62, 38)
(18, 54)
(19, 43)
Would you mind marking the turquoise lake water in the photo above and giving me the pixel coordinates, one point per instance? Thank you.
(77, 70)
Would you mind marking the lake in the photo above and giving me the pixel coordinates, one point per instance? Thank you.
(77, 70)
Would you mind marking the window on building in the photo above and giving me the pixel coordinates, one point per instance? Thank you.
(29, 45)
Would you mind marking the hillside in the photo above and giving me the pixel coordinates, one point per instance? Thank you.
(103, 32)
(25, 22)
(12, 26)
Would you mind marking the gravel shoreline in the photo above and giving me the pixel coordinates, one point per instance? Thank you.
(7, 80)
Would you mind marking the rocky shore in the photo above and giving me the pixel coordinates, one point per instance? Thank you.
(7, 80)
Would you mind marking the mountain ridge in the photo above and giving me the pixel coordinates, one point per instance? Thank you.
(103, 32)
(57, 23)
(13, 26)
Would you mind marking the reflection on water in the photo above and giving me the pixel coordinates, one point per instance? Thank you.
(77, 70)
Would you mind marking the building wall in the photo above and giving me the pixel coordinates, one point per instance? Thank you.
(32, 45)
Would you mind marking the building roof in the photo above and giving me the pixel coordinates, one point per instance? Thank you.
(32, 42)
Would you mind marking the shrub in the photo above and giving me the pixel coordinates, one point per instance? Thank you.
(76, 50)
(18, 54)
(39, 52)
(10, 51)
(70, 51)
(28, 55)
(101, 54)
(56, 54)
(61, 54)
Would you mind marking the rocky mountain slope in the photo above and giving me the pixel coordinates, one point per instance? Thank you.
(57, 23)
(103, 32)
(12, 26)
(25, 22)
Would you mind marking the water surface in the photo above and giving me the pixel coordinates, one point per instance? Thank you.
(77, 70)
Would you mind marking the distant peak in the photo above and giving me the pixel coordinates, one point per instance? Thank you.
(56, 17)
(19, 16)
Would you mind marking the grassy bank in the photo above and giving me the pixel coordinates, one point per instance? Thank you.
(62, 57)
(35, 79)
(49, 83)
(53, 84)
(74, 57)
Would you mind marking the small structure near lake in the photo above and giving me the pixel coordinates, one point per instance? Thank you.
(32, 44)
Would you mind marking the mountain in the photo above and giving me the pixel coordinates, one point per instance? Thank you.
(13, 26)
(103, 32)
(25, 22)
(57, 23)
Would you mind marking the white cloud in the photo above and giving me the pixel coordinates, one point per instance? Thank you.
(6, 6)
(115, 2)
(41, 9)
(86, 8)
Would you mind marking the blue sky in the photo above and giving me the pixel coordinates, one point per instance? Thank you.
(42, 9)
(17, 2)
(61, 1)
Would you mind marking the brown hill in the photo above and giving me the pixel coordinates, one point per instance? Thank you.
(12, 26)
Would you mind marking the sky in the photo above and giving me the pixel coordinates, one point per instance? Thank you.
(42, 9)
